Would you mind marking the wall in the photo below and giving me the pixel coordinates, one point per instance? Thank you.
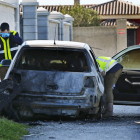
(50, 24)
(66, 31)
(53, 30)
(121, 31)
(7, 14)
(104, 38)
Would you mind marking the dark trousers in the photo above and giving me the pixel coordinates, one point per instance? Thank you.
(110, 80)
(3, 71)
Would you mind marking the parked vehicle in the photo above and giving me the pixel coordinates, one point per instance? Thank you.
(57, 78)
(127, 90)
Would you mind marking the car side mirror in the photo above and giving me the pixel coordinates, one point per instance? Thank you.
(6, 62)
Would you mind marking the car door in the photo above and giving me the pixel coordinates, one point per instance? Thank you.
(127, 90)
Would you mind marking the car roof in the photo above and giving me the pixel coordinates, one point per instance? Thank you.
(50, 43)
(126, 50)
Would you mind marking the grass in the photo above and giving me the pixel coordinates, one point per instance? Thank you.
(10, 130)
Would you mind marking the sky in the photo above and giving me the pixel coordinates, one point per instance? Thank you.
(70, 2)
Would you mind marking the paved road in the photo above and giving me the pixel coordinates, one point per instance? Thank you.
(124, 126)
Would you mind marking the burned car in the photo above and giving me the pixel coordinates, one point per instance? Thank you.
(57, 79)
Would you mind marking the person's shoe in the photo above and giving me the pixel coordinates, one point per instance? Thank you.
(109, 112)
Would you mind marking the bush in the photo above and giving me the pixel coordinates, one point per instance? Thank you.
(10, 130)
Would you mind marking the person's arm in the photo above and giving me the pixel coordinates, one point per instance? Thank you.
(102, 72)
(16, 39)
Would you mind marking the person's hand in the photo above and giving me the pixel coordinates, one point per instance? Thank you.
(103, 73)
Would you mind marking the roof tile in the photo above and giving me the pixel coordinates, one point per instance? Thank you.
(118, 7)
(114, 7)
(112, 22)
(104, 9)
(111, 8)
(108, 8)
(51, 8)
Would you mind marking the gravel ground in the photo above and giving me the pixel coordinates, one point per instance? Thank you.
(125, 125)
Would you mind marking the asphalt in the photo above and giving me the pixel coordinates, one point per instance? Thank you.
(125, 125)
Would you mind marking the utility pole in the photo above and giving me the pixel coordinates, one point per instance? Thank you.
(77, 1)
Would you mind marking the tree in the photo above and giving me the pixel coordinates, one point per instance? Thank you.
(82, 17)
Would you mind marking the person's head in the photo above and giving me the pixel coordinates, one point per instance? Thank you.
(4, 28)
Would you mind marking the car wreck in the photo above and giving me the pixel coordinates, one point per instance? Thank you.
(55, 79)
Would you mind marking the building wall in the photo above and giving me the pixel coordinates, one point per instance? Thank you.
(104, 38)
(7, 14)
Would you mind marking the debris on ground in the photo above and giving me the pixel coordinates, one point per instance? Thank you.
(9, 89)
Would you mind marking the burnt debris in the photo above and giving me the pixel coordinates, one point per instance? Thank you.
(8, 91)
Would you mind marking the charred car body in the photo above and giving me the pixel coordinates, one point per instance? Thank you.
(60, 78)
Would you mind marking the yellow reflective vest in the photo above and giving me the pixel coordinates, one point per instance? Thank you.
(106, 63)
(6, 45)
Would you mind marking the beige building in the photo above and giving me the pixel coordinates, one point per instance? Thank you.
(110, 11)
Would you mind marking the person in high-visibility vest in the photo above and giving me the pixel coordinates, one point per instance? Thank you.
(111, 70)
(9, 41)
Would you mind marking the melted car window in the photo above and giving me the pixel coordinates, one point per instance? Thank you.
(130, 60)
(53, 60)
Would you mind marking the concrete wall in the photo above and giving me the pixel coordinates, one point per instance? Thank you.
(104, 38)
(42, 23)
(110, 40)
(49, 25)
(30, 30)
(7, 14)
(53, 29)
(66, 31)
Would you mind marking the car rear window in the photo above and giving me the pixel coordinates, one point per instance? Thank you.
(53, 60)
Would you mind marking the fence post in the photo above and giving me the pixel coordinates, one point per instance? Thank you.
(70, 20)
(58, 16)
(43, 23)
(30, 19)
(121, 34)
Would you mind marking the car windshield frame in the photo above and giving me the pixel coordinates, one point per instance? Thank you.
(119, 54)
(123, 52)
